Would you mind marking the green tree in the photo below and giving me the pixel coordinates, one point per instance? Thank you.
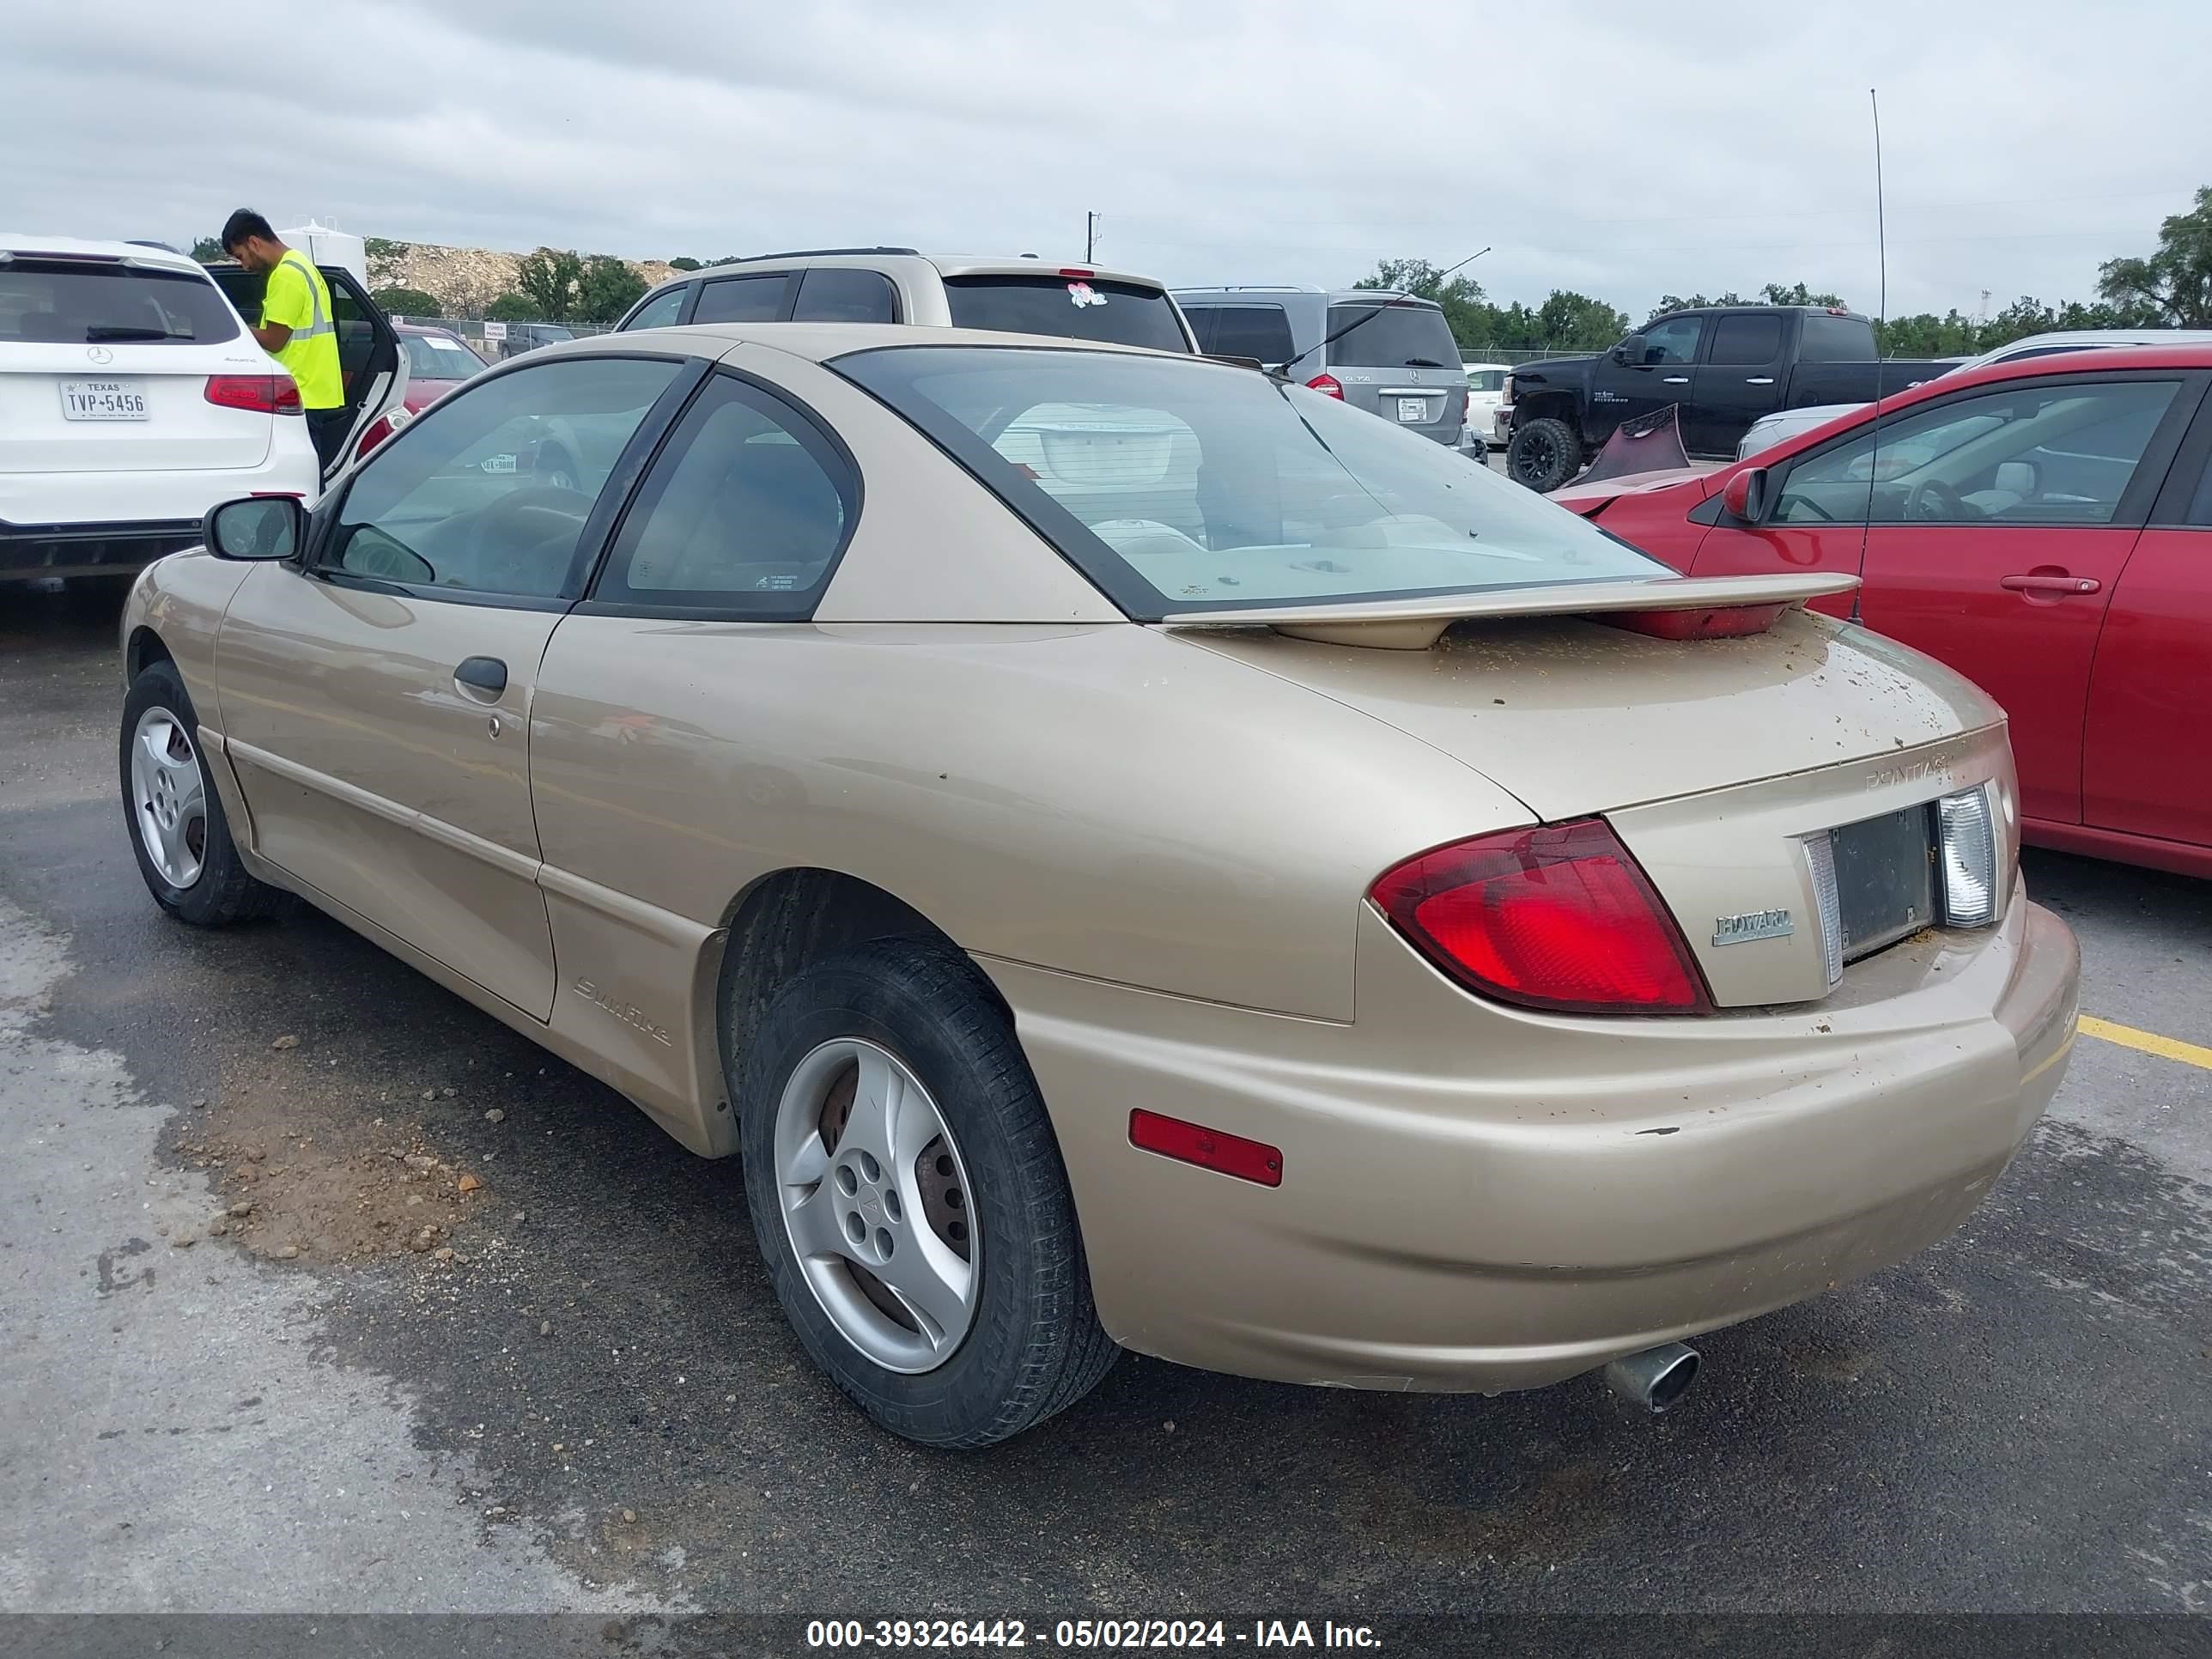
(1797, 295)
(550, 277)
(406, 302)
(1465, 310)
(685, 263)
(1578, 322)
(2176, 280)
(514, 308)
(208, 250)
(606, 288)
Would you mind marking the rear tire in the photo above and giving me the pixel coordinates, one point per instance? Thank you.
(175, 815)
(1544, 454)
(1019, 1339)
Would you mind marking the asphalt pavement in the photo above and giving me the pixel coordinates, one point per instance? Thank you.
(592, 1403)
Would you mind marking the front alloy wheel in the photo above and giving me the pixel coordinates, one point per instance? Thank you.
(168, 797)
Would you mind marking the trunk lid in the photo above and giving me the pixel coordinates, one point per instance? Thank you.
(140, 407)
(1575, 717)
(1778, 789)
(103, 363)
(1401, 363)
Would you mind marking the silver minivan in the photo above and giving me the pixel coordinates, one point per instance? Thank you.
(1392, 355)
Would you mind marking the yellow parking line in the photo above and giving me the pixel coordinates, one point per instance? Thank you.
(2149, 1042)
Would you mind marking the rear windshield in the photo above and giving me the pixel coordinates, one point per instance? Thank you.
(1190, 486)
(78, 302)
(1392, 336)
(438, 357)
(1835, 340)
(1120, 313)
(1485, 380)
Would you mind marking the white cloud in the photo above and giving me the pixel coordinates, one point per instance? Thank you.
(1609, 148)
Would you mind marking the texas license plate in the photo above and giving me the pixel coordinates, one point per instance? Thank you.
(1413, 410)
(103, 400)
(499, 463)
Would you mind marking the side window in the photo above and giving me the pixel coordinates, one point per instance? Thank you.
(745, 511)
(489, 491)
(1201, 319)
(1261, 332)
(838, 295)
(740, 300)
(2200, 505)
(662, 311)
(1675, 341)
(1746, 340)
(357, 340)
(2059, 453)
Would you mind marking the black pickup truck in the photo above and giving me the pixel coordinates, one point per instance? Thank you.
(1722, 367)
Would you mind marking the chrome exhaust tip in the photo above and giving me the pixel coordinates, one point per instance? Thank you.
(1655, 1378)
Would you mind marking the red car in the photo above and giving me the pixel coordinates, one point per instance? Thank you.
(2044, 526)
(437, 361)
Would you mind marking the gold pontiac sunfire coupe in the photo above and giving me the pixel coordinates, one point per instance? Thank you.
(1131, 853)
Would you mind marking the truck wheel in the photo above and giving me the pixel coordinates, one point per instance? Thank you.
(1543, 455)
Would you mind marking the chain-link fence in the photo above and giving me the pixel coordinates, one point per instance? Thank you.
(493, 340)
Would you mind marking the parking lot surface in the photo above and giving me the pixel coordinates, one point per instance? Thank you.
(593, 1402)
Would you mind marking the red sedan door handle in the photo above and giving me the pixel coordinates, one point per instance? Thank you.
(2042, 583)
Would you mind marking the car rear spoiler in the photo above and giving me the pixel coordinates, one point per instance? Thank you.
(1681, 607)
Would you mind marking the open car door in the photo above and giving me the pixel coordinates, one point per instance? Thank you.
(370, 365)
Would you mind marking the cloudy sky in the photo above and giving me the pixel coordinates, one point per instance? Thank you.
(1623, 150)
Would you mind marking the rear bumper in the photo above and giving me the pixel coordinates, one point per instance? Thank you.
(1487, 1228)
(30, 551)
(59, 524)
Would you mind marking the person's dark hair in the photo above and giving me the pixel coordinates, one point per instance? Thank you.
(244, 226)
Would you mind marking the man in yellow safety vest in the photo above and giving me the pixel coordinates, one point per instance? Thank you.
(297, 327)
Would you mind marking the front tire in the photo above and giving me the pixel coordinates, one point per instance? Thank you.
(909, 1200)
(1543, 455)
(175, 817)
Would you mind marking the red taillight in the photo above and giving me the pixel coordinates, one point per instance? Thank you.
(1327, 385)
(1559, 917)
(1210, 1149)
(1727, 622)
(264, 394)
(1077, 270)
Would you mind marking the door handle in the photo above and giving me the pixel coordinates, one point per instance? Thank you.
(487, 675)
(1761, 379)
(1678, 380)
(2052, 584)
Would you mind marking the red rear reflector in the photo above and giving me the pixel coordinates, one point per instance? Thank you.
(1210, 1149)
(1728, 621)
(1559, 917)
(264, 394)
(1327, 385)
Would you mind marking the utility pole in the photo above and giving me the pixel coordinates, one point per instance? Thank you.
(1089, 238)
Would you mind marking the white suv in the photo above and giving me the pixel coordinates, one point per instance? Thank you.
(131, 400)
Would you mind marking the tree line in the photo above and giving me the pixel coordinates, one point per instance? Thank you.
(2169, 289)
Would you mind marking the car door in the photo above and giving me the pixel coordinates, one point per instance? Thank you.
(372, 366)
(1994, 525)
(2144, 770)
(1626, 386)
(377, 694)
(1740, 379)
(663, 713)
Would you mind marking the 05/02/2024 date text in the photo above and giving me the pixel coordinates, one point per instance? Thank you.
(959, 1635)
